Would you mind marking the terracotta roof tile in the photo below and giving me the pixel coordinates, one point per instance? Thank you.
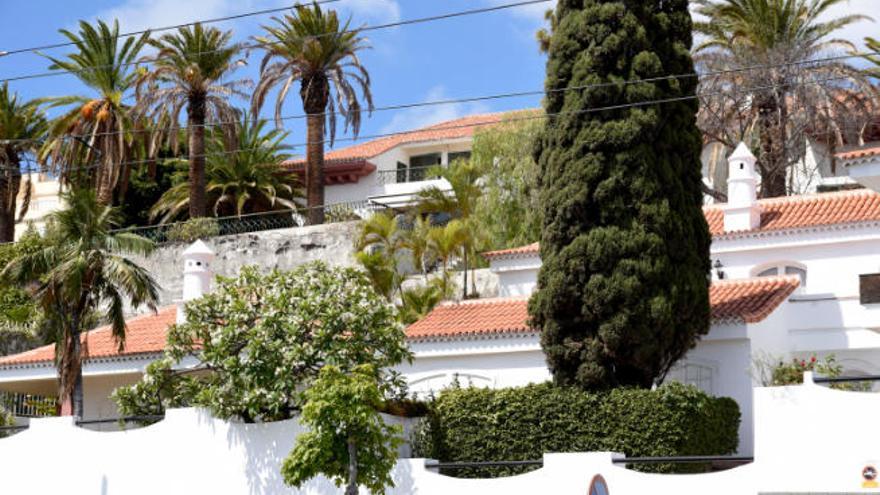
(859, 153)
(451, 129)
(528, 249)
(747, 300)
(144, 334)
(476, 317)
(812, 210)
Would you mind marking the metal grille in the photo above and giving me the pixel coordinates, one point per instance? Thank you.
(26, 405)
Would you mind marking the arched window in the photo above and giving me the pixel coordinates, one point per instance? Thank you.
(598, 486)
(700, 375)
(782, 268)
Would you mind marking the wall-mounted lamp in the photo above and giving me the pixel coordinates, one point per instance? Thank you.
(718, 269)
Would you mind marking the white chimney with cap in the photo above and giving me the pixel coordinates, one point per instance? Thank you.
(197, 274)
(742, 211)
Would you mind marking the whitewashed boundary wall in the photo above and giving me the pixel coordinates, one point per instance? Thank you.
(809, 439)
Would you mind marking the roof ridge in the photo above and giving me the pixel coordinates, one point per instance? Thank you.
(798, 198)
(758, 280)
(486, 300)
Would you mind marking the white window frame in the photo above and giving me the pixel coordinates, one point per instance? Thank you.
(781, 267)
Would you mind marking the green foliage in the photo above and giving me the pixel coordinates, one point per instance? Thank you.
(19, 314)
(260, 340)
(480, 424)
(623, 288)
(347, 440)
(509, 211)
(79, 270)
(775, 372)
(6, 419)
(192, 229)
(250, 181)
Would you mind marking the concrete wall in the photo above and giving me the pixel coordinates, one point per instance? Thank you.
(281, 248)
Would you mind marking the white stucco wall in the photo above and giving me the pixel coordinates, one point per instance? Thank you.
(809, 440)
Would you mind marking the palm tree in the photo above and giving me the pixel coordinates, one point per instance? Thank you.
(312, 47)
(22, 128)
(794, 99)
(459, 202)
(190, 70)
(381, 240)
(251, 180)
(80, 271)
(445, 243)
(96, 130)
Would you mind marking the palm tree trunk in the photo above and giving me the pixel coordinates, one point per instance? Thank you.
(352, 488)
(771, 161)
(315, 169)
(464, 272)
(315, 92)
(196, 122)
(10, 183)
(70, 387)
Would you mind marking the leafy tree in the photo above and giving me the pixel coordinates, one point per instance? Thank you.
(508, 212)
(191, 69)
(623, 289)
(313, 47)
(96, 130)
(250, 181)
(261, 339)
(379, 244)
(23, 126)
(347, 440)
(79, 270)
(21, 321)
(782, 102)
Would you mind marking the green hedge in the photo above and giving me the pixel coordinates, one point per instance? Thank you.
(476, 424)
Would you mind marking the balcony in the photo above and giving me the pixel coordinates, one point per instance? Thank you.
(398, 189)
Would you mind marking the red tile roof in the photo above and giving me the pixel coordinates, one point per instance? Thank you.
(451, 129)
(859, 153)
(145, 334)
(814, 210)
(475, 317)
(528, 249)
(790, 212)
(748, 300)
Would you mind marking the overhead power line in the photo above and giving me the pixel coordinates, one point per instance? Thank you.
(498, 96)
(247, 46)
(165, 28)
(520, 118)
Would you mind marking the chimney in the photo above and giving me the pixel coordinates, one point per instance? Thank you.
(197, 274)
(742, 211)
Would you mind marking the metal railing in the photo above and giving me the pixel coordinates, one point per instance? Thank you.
(254, 222)
(27, 405)
(88, 422)
(404, 175)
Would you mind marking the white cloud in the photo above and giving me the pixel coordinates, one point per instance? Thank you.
(417, 117)
(381, 11)
(533, 13)
(135, 15)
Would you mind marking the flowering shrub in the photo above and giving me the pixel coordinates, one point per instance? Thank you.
(792, 372)
(261, 339)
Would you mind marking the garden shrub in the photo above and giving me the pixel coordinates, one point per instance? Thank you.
(193, 229)
(476, 424)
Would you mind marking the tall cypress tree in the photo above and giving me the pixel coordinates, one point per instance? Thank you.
(623, 290)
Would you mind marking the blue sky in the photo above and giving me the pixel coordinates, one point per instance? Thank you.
(464, 57)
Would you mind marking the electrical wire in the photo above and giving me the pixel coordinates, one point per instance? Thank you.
(534, 116)
(245, 46)
(215, 20)
(482, 98)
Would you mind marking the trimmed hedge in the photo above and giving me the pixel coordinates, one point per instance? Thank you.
(477, 424)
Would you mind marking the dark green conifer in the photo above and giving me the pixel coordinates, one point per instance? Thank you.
(623, 290)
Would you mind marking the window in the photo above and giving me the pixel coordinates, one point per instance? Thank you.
(459, 155)
(783, 268)
(598, 486)
(419, 165)
(698, 375)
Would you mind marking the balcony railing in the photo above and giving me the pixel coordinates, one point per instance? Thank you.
(404, 175)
